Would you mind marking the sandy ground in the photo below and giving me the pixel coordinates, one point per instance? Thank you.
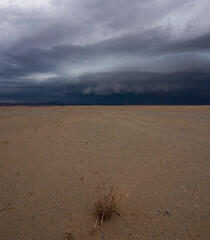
(52, 159)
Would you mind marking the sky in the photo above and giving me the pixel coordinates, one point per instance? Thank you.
(104, 52)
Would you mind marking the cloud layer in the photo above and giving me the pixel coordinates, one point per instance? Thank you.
(94, 51)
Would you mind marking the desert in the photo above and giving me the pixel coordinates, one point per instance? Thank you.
(53, 158)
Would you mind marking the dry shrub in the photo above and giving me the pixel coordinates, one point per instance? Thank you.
(69, 236)
(106, 204)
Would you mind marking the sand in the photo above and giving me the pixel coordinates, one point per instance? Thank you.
(53, 158)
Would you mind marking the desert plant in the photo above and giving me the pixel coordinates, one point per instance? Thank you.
(106, 204)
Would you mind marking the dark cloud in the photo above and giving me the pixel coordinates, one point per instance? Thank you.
(147, 45)
(107, 86)
(78, 51)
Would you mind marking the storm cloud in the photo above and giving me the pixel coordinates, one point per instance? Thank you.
(105, 52)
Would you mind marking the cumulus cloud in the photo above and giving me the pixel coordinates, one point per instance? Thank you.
(62, 50)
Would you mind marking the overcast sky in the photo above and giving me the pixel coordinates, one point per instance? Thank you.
(105, 51)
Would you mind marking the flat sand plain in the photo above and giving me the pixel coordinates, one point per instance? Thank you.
(52, 159)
